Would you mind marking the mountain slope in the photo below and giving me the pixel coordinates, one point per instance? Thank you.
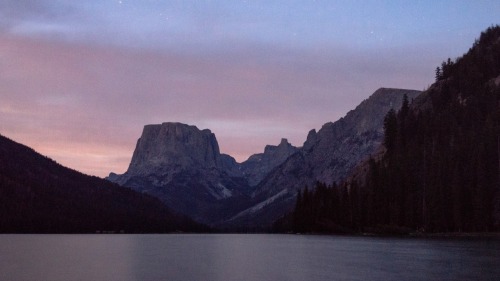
(327, 155)
(440, 171)
(38, 195)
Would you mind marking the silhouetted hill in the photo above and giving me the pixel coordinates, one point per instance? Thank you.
(440, 171)
(37, 195)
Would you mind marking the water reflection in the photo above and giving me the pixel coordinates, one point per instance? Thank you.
(65, 257)
(244, 257)
(290, 257)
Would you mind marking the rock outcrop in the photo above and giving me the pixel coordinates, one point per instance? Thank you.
(259, 165)
(174, 144)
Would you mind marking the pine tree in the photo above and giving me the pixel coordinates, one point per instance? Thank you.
(390, 129)
(438, 73)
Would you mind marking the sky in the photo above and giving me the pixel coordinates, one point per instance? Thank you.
(80, 79)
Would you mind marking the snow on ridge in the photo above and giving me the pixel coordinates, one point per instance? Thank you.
(220, 192)
(261, 205)
(225, 193)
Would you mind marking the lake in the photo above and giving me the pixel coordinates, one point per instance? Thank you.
(235, 257)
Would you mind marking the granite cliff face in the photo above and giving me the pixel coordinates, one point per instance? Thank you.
(174, 144)
(327, 156)
(182, 166)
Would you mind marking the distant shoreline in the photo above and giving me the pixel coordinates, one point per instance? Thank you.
(495, 235)
(457, 234)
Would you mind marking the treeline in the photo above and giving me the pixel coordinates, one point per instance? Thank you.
(37, 195)
(441, 168)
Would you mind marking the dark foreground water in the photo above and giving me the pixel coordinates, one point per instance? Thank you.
(245, 257)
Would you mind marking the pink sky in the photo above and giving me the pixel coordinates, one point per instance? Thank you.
(85, 106)
(80, 79)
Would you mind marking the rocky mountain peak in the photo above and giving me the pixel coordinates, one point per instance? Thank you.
(312, 137)
(370, 113)
(283, 147)
(183, 167)
(176, 144)
(259, 165)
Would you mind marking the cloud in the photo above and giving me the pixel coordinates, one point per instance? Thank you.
(46, 13)
(79, 79)
(78, 103)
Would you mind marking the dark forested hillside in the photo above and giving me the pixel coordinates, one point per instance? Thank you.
(37, 195)
(440, 170)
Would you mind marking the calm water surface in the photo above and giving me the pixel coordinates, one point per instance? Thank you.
(245, 257)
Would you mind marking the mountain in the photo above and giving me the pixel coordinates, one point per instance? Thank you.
(439, 167)
(183, 167)
(37, 195)
(259, 165)
(327, 156)
(169, 148)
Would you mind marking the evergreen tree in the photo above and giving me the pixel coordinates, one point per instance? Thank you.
(390, 129)
(438, 74)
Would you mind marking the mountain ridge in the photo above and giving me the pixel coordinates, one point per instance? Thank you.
(327, 156)
(182, 165)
